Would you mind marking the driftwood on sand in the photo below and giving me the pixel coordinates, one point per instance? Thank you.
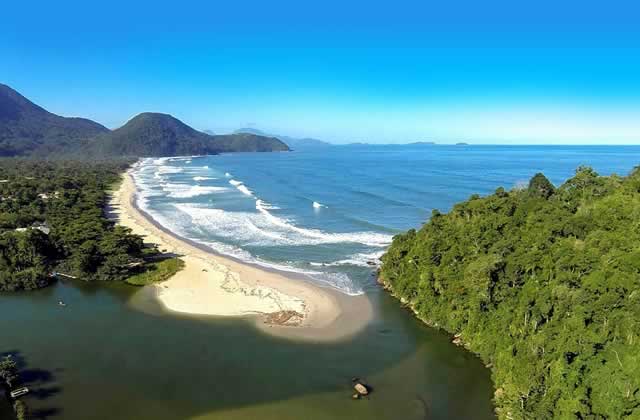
(286, 317)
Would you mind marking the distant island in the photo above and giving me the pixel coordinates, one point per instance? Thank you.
(27, 129)
(462, 144)
(295, 143)
(542, 283)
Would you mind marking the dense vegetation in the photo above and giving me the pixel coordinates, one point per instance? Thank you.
(10, 377)
(52, 219)
(156, 272)
(29, 130)
(153, 134)
(542, 283)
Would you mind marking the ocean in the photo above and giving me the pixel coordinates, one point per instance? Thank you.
(141, 363)
(331, 213)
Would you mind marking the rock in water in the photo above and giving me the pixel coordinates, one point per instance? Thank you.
(361, 389)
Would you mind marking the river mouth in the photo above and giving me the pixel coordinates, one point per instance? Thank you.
(102, 357)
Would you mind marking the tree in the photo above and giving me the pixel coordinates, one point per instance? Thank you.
(21, 410)
(540, 186)
(8, 369)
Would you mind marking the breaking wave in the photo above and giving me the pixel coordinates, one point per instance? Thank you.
(187, 191)
(243, 233)
(363, 259)
(241, 187)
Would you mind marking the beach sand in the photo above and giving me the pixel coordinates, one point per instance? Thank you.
(210, 284)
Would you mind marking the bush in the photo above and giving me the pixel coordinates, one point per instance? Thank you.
(157, 272)
(21, 410)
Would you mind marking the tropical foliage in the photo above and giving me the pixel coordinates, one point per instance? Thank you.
(157, 272)
(9, 375)
(543, 284)
(27, 129)
(52, 219)
(8, 369)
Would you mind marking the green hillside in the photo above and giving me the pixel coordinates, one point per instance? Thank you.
(542, 283)
(27, 129)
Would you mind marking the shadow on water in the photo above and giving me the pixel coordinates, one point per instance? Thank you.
(42, 386)
(121, 363)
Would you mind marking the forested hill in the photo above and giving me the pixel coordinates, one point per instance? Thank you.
(154, 134)
(542, 283)
(27, 129)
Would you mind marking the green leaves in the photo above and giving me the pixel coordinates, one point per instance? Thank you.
(69, 197)
(540, 186)
(8, 369)
(544, 284)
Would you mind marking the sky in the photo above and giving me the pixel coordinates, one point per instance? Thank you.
(381, 72)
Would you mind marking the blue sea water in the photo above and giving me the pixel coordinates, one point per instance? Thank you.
(331, 213)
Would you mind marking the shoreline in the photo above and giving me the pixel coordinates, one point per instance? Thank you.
(210, 284)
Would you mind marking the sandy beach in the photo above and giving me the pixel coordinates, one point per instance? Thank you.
(214, 285)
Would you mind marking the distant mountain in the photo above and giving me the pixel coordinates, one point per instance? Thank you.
(151, 134)
(305, 143)
(154, 134)
(295, 143)
(27, 129)
(249, 130)
(247, 142)
(422, 143)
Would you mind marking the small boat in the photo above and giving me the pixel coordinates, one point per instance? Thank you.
(61, 303)
(19, 392)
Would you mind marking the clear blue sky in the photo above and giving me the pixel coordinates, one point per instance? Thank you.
(392, 71)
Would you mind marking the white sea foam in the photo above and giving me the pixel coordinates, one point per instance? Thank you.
(187, 191)
(339, 281)
(266, 229)
(176, 222)
(160, 161)
(169, 170)
(230, 232)
(315, 236)
(266, 205)
(361, 260)
(241, 187)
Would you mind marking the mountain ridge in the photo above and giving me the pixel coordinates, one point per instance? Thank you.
(27, 129)
(296, 143)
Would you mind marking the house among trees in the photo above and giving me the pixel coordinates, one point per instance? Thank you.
(42, 227)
